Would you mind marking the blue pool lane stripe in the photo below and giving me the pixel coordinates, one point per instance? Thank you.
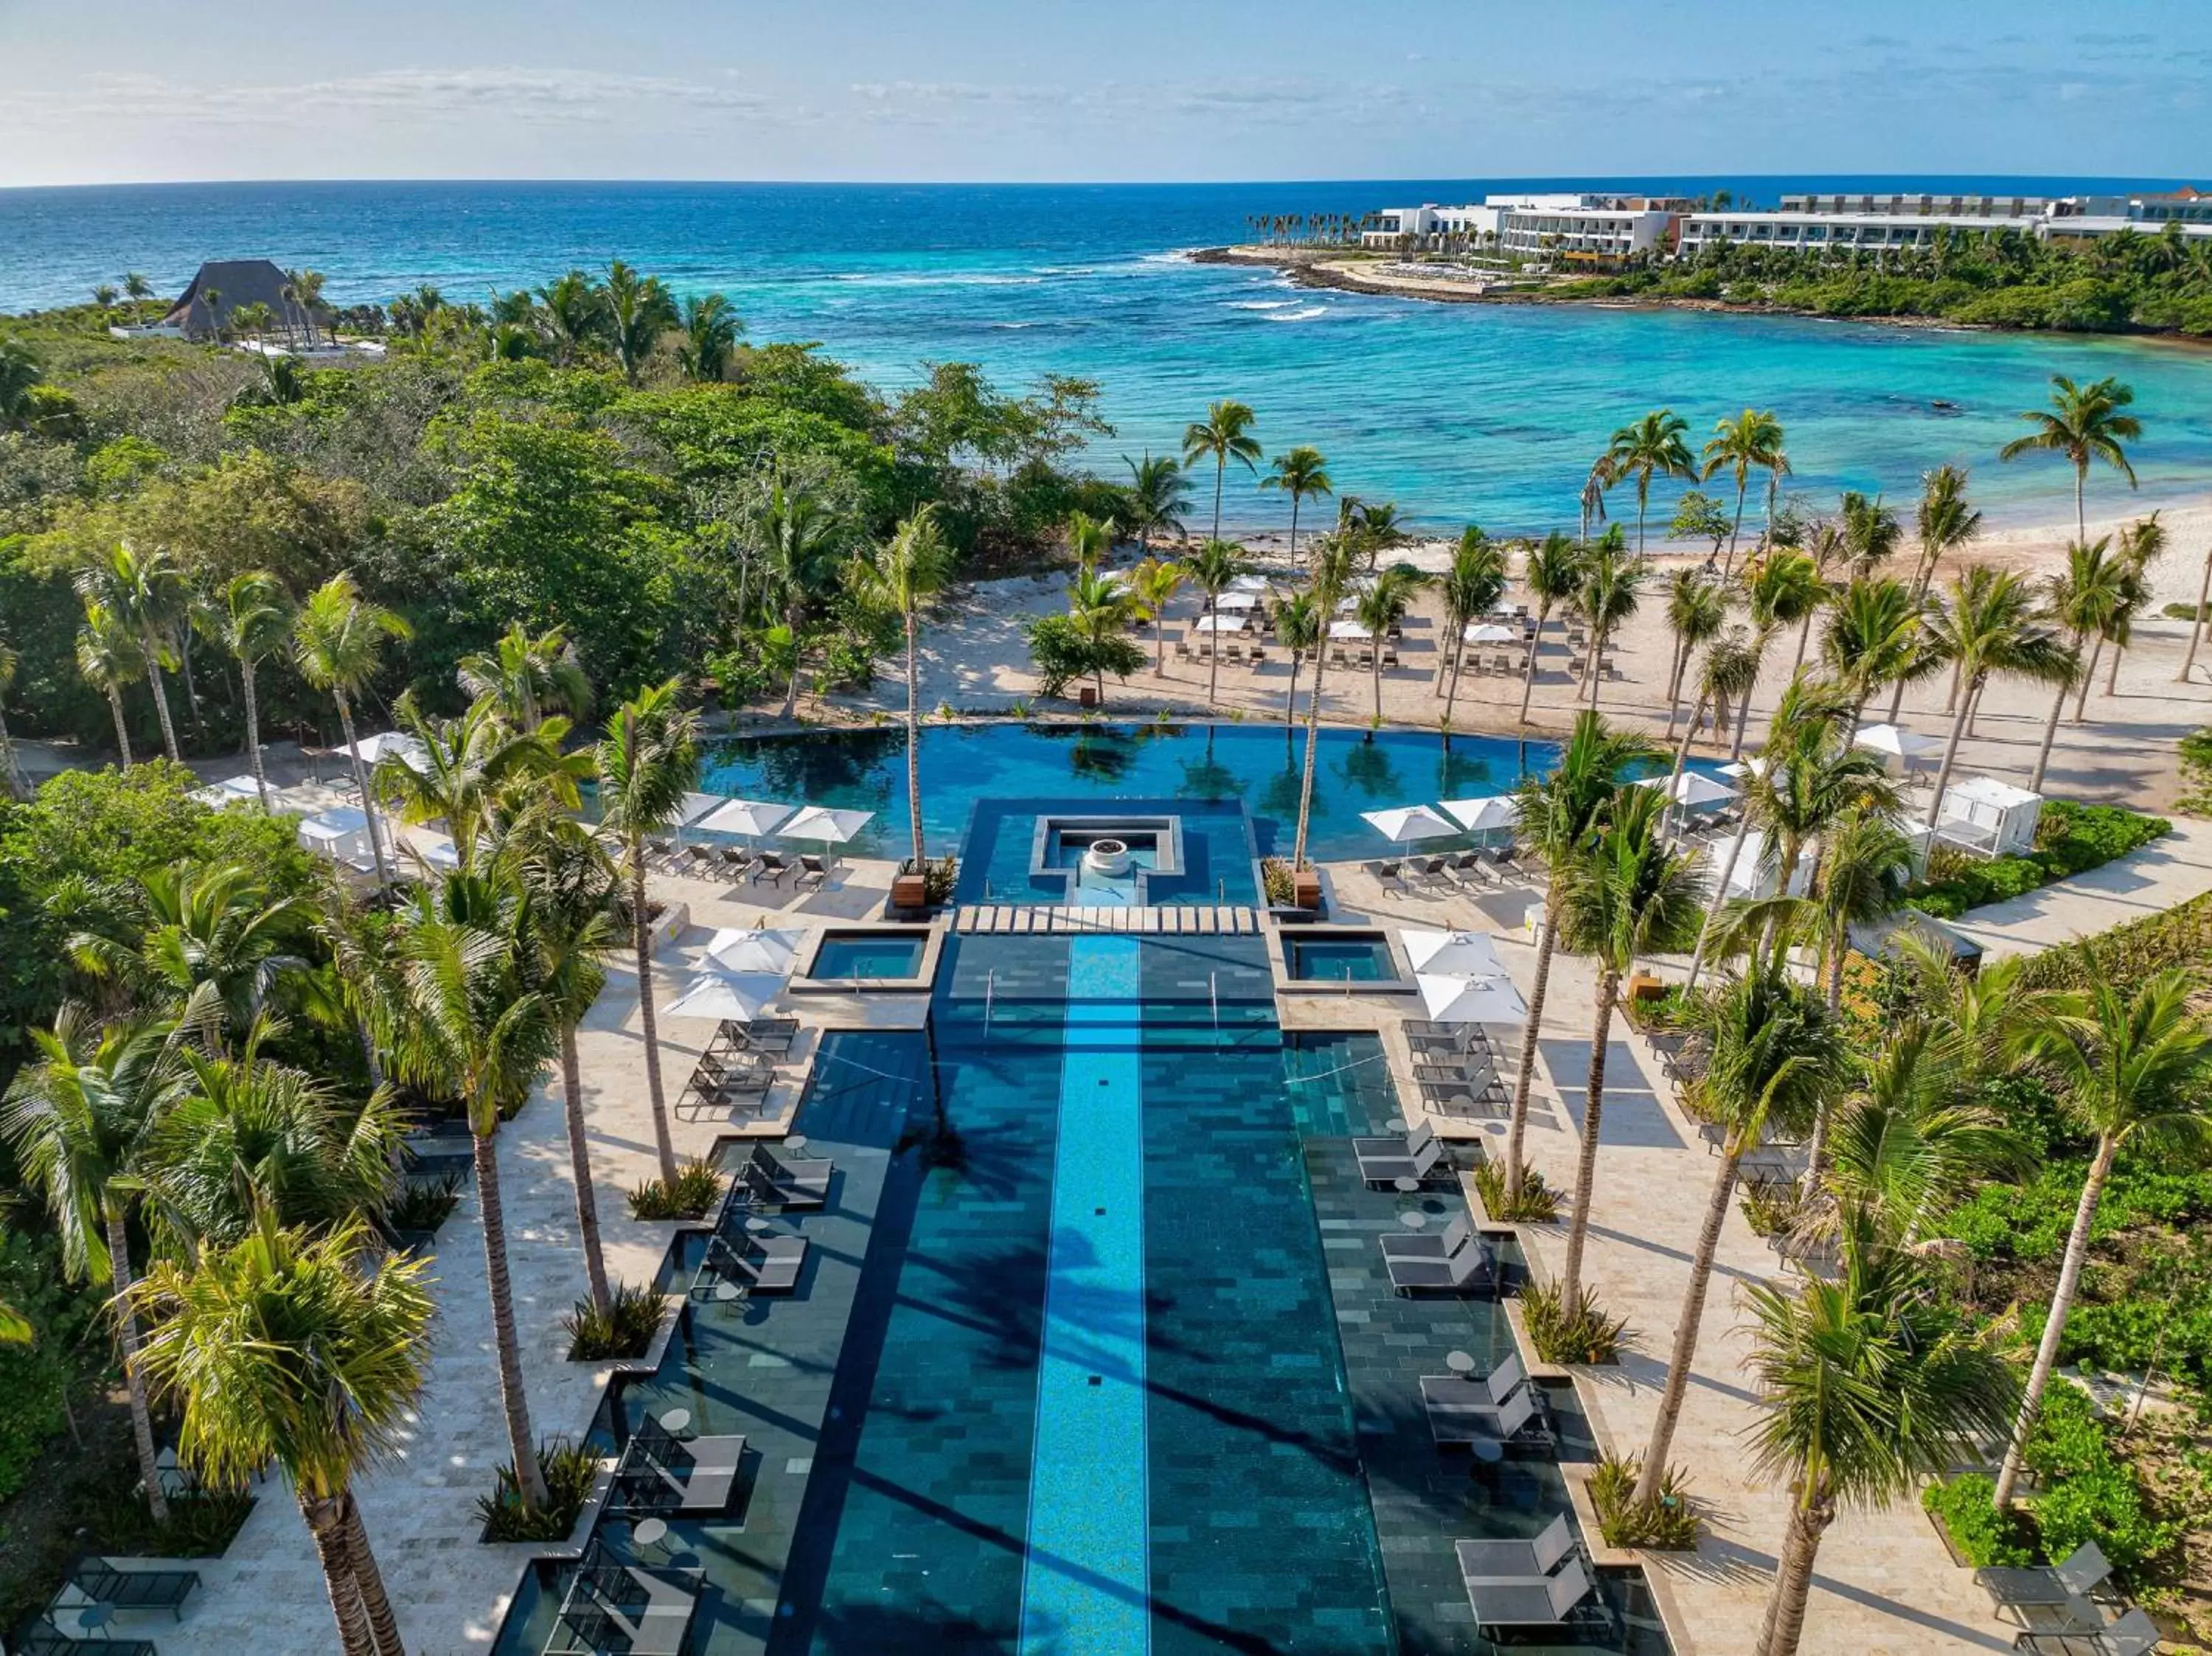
(1085, 1583)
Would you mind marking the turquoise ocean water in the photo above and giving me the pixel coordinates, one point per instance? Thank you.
(1457, 412)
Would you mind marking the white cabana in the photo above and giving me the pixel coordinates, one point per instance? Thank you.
(1236, 602)
(372, 749)
(746, 817)
(1489, 632)
(1693, 790)
(228, 792)
(1345, 606)
(1990, 816)
(1453, 953)
(1896, 742)
(1351, 630)
(340, 833)
(1492, 814)
(742, 949)
(1405, 823)
(1471, 1000)
(738, 997)
(1211, 624)
(1248, 584)
(824, 823)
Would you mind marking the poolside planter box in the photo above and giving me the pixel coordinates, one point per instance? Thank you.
(910, 893)
(1305, 890)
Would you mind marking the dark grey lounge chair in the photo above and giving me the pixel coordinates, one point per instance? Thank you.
(700, 1472)
(1428, 1244)
(799, 1183)
(614, 1606)
(1529, 1601)
(1411, 1141)
(1427, 1163)
(101, 1582)
(44, 1638)
(813, 874)
(2077, 1577)
(1458, 1414)
(1473, 1266)
(771, 867)
(2133, 1635)
(1520, 1559)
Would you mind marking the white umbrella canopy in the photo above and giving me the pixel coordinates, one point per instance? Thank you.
(1348, 629)
(1486, 632)
(1406, 822)
(1219, 624)
(228, 792)
(1234, 600)
(734, 996)
(1692, 789)
(339, 823)
(1896, 742)
(1471, 1000)
(825, 824)
(372, 749)
(1453, 953)
(696, 805)
(1248, 584)
(742, 949)
(747, 816)
(1488, 815)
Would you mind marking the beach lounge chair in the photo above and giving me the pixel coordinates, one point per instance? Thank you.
(1429, 1162)
(134, 1589)
(698, 861)
(2080, 1573)
(771, 867)
(1389, 876)
(658, 850)
(737, 862)
(43, 1638)
(773, 1036)
(1426, 873)
(1485, 1394)
(813, 874)
(613, 1606)
(1457, 1419)
(1428, 1244)
(1466, 871)
(767, 1264)
(2133, 1635)
(1519, 1559)
(700, 1472)
(799, 1182)
(1258, 656)
(1468, 1269)
(1182, 649)
(1411, 1141)
(1529, 1602)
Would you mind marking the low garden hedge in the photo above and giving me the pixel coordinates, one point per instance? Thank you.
(2070, 840)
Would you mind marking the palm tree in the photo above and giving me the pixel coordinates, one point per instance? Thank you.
(1557, 815)
(208, 943)
(21, 373)
(1301, 473)
(252, 621)
(308, 1352)
(1651, 447)
(711, 327)
(1990, 627)
(2083, 423)
(525, 678)
(1098, 605)
(11, 773)
(1782, 589)
(1915, 1140)
(1947, 522)
(639, 311)
(1152, 586)
(147, 594)
(1332, 574)
(1224, 435)
(575, 309)
(2132, 1068)
(1157, 495)
(473, 772)
(1553, 575)
(79, 1117)
(1750, 442)
(2142, 544)
(2196, 622)
(1870, 1383)
(338, 638)
(1778, 1061)
(1471, 588)
(1874, 637)
(1298, 627)
(1380, 531)
(1090, 539)
(1866, 866)
(470, 1026)
(1380, 609)
(107, 659)
(1696, 609)
(1607, 597)
(135, 285)
(2085, 598)
(647, 763)
(803, 540)
(906, 573)
(1217, 565)
(1626, 893)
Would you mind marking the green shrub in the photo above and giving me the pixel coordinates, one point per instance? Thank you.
(34, 1378)
(1580, 1334)
(425, 1204)
(1982, 1535)
(1535, 1204)
(569, 1469)
(2089, 1492)
(698, 1184)
(1770, 1209)
(1668, 1523)
(623, 1330)
(1276, 882)
(2128, 952)
(2195, 750)
(2070, 840)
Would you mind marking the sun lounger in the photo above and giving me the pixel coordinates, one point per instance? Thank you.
(800, 1183)
(2133, 1635)
(1520, 1559)
(770, 1265)
(2075, 1577)
(813, 875)
(1459, 1412)
(101, 1582)
(700, 1473)
(1467, 1270)
(1428, 1244)
(1529, 1602)
(43, 1638)
(613, 1606)
(1484, 1393)
(1429, 1162)
(771, 867)
(698, 861)
(1411, 1141)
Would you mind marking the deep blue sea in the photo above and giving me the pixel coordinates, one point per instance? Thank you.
(1489, 413)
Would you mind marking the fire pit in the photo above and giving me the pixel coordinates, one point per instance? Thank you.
(1108, 857)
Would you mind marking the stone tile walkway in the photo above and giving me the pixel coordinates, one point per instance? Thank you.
(2167, 872)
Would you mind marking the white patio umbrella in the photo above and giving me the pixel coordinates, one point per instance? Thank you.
(228, 792)
(742, 949)
(372, 748)
(1248, 584)
(1348, 629)
(1405, 823)
(823, 822)
(1235, 601)
(1485, 632)
(738, 997)
(1754, 766)
(1471, 1000)
(1219, 624)
(1453, 953)
(1489, 814)
(1896, 742)
(1692, 789)
(752, 817)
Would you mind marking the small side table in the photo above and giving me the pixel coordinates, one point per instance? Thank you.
(1487, 1450)
(1459, 1363)
(794, 1142)
(1415, 1220)
(676, 1422)
(93, 1618)
(650, 1532)
(1407, 1186)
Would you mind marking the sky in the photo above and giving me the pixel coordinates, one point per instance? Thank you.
(1123, 90)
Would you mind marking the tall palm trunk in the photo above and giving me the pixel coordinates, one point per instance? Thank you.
(253, 728)
(1528, 673)
(1571, 1281)
(185, 671)
(2050, 736)
(162, 701)
(1654, 1473)
(2112, 672)
(641, 940)
(580, 1168)
(1950, 758)
(369, 1580)
(1212, 661)
(2196, 622)
(1376, 673)
(327, 1526)
(914, 746)
(1452, 690)
(798, 659)
(361, 781)
(2061, 1303)
(1516, 1129)
(514, 1402)
(1220, 470)
(1313, 742)
(1589, 669)
(1682, 761)
(122, 727)
(11, 773)
(126, 1334)
(1742, 487)
(1294, 530)
(1290, 703)
(2089, 672)
(1719, 898)
(1809, 1517)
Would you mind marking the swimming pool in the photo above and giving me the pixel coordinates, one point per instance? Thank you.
(881, 953)
(1255, 764)
(1361, 959)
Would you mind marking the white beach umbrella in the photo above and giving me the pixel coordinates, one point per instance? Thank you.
(696, 805)
(1896, 742)
(1219, 624)
(1348, 629)
(1345, 606)
(746, 817)
(1404, 823)
(228, 792)
(826, 824)
(1754, 766)
(1484, 632)
(1471, 1000)
(1453, 953)
(1237, 601)
(1692, 789)
(1248, 584)
(742, 949)
(372, 749)
(733, 996)
(1488, 815)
